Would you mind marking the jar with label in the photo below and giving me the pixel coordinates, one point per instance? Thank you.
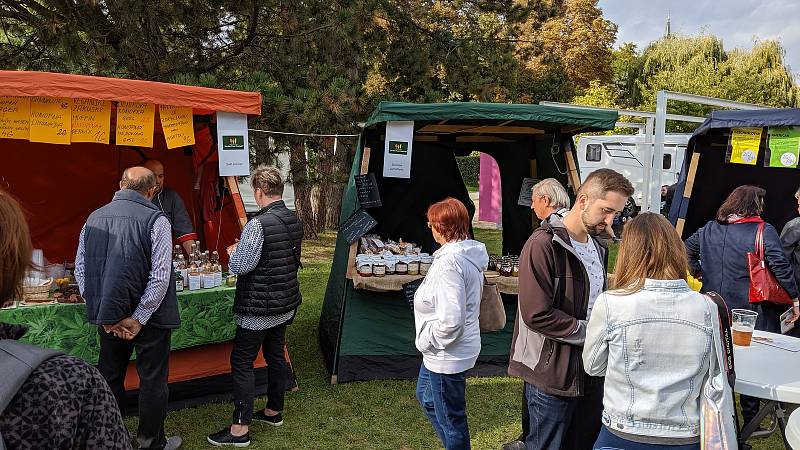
(378, 267)
(391, 262)
(515, 270)
(425, 264)
(413, 265)
(506, 268)
(364, 265)
(195, 280)
(401, 268)
(231, 280)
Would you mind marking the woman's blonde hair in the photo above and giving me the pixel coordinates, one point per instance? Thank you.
(651, 248)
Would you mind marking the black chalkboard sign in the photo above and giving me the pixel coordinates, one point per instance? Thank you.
(367, 189)
(357, 225)
(409, 289)
(525, 193)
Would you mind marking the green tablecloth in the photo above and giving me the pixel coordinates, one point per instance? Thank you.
(206, 318)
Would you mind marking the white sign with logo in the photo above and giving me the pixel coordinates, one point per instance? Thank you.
(397, 149)
(233, 144)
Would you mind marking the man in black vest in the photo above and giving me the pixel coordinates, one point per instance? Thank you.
(124, 272)
(266, 259)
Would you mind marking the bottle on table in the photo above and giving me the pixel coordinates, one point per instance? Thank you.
(178, 281)
(217, 268)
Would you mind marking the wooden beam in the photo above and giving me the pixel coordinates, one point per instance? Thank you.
(233, 187)
(572, 171)
(687, 190)
(351, 260)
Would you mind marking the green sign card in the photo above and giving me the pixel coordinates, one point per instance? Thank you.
(784, 146)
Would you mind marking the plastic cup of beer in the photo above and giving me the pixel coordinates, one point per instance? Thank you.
(743, 324)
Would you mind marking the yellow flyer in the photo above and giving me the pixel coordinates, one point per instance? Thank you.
(135, 124)
(51, 120)
(91, 120)
(176, 121)
(744, 145)
(15, 117)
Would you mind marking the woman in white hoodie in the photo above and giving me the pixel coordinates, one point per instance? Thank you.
(446, 308)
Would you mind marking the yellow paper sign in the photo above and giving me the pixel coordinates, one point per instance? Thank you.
(91, 120)
(15, 117)
(177, 124)
(51, 120)
(135, 124)
(744, 145)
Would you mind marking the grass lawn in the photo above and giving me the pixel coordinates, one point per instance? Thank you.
(361, 415)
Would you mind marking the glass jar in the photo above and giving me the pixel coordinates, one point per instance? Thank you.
(364, 265)
(378, 267)
(401, 268)
(425, 263)
(413, 265)
(390, 262)
(515, 270)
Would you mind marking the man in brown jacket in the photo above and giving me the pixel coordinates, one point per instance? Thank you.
(562, 271)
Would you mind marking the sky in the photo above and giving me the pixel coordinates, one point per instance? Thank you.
(737, 22)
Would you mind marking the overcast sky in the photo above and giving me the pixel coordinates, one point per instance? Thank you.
(736, 22)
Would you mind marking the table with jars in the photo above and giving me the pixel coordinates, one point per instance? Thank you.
(387, 266)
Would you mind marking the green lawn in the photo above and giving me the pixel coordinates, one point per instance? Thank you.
(363, 415)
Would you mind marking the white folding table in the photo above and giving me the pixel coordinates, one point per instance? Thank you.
(769, 373)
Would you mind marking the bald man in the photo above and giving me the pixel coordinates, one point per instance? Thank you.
(171, 204)
(124, 271)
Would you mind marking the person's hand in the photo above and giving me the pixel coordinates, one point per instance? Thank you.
(232, 248)
(126, 329)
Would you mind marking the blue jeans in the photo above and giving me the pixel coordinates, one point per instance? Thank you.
(442, 399)
(609, 441)
(550, 417)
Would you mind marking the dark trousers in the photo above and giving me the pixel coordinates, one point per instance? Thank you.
(245, 349)
(152, 347)
(571, 423)
(442, 397)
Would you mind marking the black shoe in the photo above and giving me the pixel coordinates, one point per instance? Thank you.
(514, 445)
(276, 420)
(224, 437)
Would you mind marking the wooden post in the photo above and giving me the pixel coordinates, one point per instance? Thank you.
(233, 187)
(351, 260)
(572, 171)
(687, 190)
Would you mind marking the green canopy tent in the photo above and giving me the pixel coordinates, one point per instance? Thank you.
(370, 335)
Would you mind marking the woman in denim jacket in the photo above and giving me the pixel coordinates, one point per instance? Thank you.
(652, 339)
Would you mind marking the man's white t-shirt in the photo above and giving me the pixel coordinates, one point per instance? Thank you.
(594, 267)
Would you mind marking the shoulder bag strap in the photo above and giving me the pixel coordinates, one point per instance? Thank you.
(725, 335)
(297, 262)
(760, 242)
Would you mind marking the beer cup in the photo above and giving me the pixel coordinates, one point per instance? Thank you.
(743, 324)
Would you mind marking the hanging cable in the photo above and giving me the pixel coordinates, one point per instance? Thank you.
(286, 133)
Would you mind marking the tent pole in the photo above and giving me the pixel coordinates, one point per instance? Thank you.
(687, 191)
(351, 260)
(233, 187)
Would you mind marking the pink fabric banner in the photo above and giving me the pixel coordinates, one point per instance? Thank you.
(489, 193)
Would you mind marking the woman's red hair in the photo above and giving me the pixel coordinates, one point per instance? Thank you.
(450, 219)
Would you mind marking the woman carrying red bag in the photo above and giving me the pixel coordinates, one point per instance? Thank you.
(718, 254)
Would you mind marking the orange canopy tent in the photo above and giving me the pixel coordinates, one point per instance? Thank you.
(59, 185)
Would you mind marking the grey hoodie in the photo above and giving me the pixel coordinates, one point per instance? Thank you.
(447, 305)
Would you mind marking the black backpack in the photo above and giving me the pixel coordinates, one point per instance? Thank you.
(17, 361)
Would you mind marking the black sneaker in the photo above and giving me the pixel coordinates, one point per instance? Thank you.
(224, 437)
(276, 420)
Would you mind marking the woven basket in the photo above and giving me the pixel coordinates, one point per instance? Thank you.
(37, 293)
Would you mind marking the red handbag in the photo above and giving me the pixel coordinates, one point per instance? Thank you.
(763, 285)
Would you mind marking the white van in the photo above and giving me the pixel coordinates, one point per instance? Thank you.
(627, 155)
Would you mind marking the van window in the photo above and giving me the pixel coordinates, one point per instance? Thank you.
(667, 161)
(593, 152)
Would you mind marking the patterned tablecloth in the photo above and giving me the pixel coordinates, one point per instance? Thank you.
(206, 318)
